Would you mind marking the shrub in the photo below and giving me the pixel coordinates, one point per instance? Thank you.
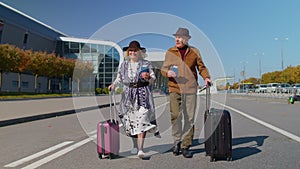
(105, 90)
(98, 91)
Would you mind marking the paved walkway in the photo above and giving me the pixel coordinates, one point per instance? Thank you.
(17, 111)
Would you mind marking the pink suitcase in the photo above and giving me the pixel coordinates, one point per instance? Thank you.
(108, 137)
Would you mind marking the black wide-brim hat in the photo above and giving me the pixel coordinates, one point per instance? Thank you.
(134, 45)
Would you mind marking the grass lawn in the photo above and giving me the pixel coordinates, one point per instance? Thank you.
(16, 95)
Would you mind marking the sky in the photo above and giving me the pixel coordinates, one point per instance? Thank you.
(242, 32)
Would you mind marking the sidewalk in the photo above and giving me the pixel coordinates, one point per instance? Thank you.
(24, 110)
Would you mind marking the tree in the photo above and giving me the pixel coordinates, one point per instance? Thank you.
(64, 67)
(50, 68)
(13, 59)
(20, 61)
(4, 60)
(235, 85)
(37, 66)
(271, 77)
(24, 62)
(297, 74)
(253, 80)
(81, 71)
(69, 69)
(288, 75)
(60, 67)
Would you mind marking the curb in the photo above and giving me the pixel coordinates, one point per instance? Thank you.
(20, 120)
(48, 115)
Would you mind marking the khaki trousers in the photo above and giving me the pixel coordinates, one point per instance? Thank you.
(182, 106)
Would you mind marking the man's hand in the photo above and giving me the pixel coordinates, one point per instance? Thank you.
(207, 82)
(171, 73)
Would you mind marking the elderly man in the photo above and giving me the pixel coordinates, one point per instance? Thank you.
(180, 67)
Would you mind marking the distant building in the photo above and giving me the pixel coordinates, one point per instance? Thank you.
(25, 32)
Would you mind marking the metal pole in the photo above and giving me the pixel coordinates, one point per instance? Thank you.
(259, 69)
(259, 64)
(282, 66)
(244, 77)
(281, 48)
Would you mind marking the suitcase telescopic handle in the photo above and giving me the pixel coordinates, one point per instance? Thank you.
(115, 106)
(112, 100)
(207, 94)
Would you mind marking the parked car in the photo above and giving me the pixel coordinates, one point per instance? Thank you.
(284, 88)
(271, 87)
(296, 88)
(261, 88)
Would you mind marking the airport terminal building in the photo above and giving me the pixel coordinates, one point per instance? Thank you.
(25, 32)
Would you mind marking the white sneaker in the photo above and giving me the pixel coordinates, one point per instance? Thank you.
(134, 150)
(141, 154)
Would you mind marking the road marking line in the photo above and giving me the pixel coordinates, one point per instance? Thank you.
(33, 156)
(66, 150)
(283, 132)
(57, 154)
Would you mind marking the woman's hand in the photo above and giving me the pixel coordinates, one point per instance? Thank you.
(111, 87)
(146, 75)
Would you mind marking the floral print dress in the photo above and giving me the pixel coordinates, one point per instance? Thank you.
(137, 111)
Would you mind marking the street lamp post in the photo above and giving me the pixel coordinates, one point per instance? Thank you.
(281, 49)
(259, 65)
(243, 73)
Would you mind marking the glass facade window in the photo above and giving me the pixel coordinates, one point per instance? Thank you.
(25, 39)
(74, 45)
(104, 58)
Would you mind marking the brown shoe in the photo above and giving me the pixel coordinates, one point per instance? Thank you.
(176, 149)
(186, 153)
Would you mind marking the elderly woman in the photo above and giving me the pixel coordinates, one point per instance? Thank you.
(137, 110)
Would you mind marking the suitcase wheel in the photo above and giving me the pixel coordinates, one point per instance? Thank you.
(113, 156)
(212, 159)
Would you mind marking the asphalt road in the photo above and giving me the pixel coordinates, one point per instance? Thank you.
(265, 135)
